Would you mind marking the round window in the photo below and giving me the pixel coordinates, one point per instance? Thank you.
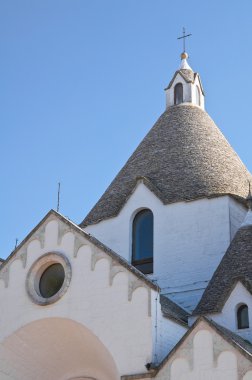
(51, 280)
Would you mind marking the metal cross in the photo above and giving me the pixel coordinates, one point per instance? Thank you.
(184, 37)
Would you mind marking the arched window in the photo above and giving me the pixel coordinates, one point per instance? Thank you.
(197, 95)
(178, 93)
(142, 241)
(242, 317)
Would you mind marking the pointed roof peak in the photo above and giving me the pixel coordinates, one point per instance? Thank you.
(184, 156)
(184, 64)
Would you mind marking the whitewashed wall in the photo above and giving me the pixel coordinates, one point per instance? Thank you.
(238, 213)
(206, 355)
(227, 317)
(110, 304)
(190, 239)
(189, 92)
(168, 335)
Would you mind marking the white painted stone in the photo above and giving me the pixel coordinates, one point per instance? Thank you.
(228, 316)
(91, 303)
(248, 376)
(166, 333)
(248, 220)
(205, 355)
(184, 65)
(238, 213)
(189, 89)
(190, 239)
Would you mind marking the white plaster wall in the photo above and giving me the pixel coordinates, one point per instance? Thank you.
(166, 332)
(237, 215)
(205, 355)
(193, 89)
(189, 92)
(227, 317)
(103, 296)
(169, 334)
(190, 239)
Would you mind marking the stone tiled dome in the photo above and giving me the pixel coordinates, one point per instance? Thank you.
(183, 157)
(236, 265)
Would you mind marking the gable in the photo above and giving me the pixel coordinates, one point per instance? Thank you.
(186, 75)
(238, 295)
(103, 290)
(236, 265)
(228, 315)
(206, 351)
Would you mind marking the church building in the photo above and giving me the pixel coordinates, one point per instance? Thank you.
(156, 282)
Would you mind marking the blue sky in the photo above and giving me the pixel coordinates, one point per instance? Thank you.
(81, 83)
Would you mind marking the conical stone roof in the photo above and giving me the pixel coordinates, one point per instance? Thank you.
(183, 157)
(236, 265)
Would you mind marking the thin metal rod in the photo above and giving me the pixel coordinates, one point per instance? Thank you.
(184, 37)
(58, 203)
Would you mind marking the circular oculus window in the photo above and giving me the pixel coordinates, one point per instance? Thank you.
(48, 278)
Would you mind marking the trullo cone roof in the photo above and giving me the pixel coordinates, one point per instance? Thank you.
(183, 157)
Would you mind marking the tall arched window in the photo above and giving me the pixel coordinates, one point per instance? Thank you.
(178, 93)
(197, 95)
(142, 241)
(242, 317)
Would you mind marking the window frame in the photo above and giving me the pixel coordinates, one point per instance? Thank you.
(178, 85)
(145, 265)
(239, 310)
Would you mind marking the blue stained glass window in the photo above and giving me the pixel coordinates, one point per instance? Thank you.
(242, 317)
(142, 242)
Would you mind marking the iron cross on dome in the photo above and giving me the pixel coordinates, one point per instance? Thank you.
(184, 37)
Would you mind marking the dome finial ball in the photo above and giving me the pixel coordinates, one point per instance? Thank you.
(184, 55)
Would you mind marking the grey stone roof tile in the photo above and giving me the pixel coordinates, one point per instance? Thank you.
(171, 310)
(188, 75)
(184, 156)
(236, 265)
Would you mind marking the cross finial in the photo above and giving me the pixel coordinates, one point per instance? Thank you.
(184, 37)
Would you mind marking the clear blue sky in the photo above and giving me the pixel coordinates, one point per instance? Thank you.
(81, 83)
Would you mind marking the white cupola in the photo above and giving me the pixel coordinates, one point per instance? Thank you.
(185, 86)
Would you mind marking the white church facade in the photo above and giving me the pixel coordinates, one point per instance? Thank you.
(156, 282)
